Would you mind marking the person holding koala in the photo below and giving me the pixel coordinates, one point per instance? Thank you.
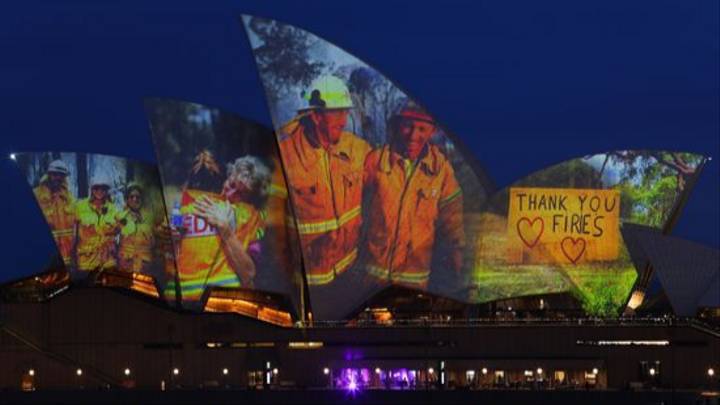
(219, 240)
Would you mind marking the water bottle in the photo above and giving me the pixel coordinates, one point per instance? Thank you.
(177, 218)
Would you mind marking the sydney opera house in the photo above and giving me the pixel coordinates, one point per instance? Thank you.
(355, 246)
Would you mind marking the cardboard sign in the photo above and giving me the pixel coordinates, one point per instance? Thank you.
(568, 226)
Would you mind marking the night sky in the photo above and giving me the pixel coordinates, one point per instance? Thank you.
(525, 84)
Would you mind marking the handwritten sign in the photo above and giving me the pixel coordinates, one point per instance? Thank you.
(556, 225)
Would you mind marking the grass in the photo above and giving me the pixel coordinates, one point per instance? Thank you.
(601, 287)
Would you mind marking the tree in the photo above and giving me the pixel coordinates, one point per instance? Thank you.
(652, 165)
(651, 182)
(181, 130)
(376, 99)
(282, 57)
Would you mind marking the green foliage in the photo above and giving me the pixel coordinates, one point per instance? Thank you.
(648, 205)
(650, 183)
(601, 290)
(493, 282)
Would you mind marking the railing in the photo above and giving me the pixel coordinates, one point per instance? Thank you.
(495, 322)
(705, 327)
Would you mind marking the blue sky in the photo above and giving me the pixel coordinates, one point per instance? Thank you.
(525, 84)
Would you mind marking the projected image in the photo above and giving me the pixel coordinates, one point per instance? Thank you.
(377, 184)
(558, 230)
(227, 200)
(106, 213)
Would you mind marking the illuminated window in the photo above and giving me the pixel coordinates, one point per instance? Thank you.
(305, 345)
(262, 344)
(622, 342)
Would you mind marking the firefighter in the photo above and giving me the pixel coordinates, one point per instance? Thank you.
(324, 165)
(136, 233)
(58, 207)
(221, 232)
(97, 228)
(280, 235)
(413, 202)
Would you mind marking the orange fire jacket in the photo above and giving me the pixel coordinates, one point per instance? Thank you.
(282, 234)
(326, 191)
(59, 211)
(136, 241)
(410, 205)
(201, 261)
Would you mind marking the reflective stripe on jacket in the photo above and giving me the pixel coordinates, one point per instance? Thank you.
(58, 208)
(201, 261)
(326, 191)
(281, 238)
(408, 209)
(136, 242)
(97, 229)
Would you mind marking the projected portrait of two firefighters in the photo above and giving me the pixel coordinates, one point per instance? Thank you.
(372, 176)
(400, 195)
(105, 212)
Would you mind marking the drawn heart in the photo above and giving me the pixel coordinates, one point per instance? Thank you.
(573, 249)
(529, 232)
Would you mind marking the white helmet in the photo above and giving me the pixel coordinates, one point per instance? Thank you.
(100, 180)
(58, 166)
(328, 92)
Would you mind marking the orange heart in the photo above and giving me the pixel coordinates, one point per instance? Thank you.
(573, 249)
(527, 232)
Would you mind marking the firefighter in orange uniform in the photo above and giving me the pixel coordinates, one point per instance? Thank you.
(413, 202)
(279, 224)
(58, 207)
(324, 165)
(136, 233)
(221, 232)
(97, 228)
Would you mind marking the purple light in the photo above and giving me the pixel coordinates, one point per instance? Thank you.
(351, 379)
